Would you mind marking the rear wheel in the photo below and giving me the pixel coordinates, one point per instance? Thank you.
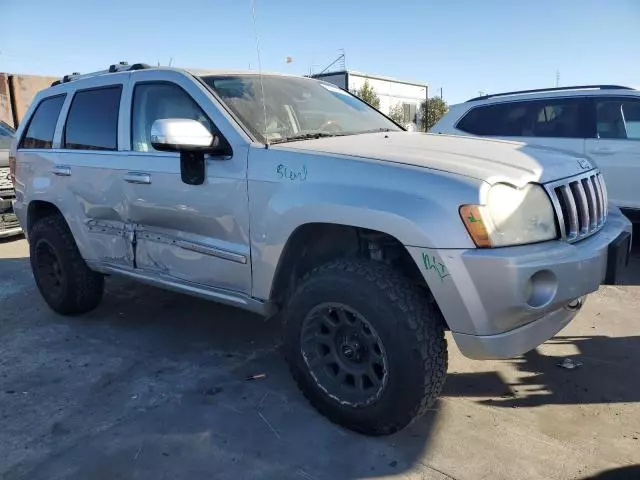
(365, 346)
(65, 281)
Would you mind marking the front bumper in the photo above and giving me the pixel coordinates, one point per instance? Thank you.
(502, 302)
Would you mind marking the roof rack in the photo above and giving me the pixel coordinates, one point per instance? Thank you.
(554, 89)
(115, 68)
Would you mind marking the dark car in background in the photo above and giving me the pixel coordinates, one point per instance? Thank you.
(8, 222)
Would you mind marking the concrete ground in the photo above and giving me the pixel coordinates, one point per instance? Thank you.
(153, 385)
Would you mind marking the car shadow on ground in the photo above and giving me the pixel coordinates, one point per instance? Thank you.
(154, 384)
(543, 380)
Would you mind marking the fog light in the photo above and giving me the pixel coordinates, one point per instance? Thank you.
(540, 289)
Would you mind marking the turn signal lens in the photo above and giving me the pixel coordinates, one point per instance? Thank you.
(475, 226)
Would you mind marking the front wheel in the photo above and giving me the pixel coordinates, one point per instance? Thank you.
(365, 346)
(65, 281)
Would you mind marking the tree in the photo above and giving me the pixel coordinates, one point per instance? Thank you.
(368, 94)
(436, 108)
(396, 113)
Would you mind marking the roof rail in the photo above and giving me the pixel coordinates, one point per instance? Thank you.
(119, 67)
(554, 89)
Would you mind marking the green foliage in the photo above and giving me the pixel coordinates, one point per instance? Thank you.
(396, 113)
(368, 94)
(436, 108)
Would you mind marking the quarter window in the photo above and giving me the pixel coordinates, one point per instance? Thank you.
(619, 119)
(43, 123)
(153, 101)
(92, 123)
(562, 118)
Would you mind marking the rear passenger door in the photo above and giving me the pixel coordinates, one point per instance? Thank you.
(616, 148)
(562, 123)
(89, 172)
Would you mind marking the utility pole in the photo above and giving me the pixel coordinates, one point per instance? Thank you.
(557, 78)
(441, 94)
(426, 107)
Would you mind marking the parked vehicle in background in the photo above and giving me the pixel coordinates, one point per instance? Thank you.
(9, 225)
(601, 122)
(304, 199)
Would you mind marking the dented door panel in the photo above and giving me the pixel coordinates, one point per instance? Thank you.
(101, 210)
(111, 242)
(197, 233)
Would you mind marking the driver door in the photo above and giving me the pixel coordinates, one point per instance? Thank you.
(193, 234)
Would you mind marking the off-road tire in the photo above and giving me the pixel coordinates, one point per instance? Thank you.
(410, 327)
(81, 288)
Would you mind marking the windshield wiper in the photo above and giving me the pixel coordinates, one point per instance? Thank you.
(373, 130)
(305, 136)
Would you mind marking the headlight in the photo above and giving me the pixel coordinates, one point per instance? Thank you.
(511, 216)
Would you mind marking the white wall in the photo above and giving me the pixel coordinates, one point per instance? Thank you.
(390, 92)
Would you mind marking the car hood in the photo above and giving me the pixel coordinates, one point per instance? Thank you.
(488, 160)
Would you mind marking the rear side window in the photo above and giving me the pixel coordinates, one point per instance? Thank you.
(43, 123)
(561, 118)
(618, 118)
(92, 123)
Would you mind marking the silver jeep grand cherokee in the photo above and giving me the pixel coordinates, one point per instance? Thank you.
(370, 240)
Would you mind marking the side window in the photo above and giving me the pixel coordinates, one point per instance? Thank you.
(503, 119)
(561, 118)
(556, 119)
(618, 119)
(43, 123)
(153, 101)
(92, 123)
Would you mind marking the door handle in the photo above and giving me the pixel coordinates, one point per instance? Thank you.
(140, 178)
(61, 170)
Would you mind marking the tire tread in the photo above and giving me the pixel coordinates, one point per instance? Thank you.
(421, 317)
(85, 287)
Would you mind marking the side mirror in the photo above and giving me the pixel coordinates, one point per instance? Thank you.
(192, 140)
(182, 135)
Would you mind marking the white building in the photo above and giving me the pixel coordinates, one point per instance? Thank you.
(391, 91)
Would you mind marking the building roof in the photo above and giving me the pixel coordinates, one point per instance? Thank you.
(368, 75)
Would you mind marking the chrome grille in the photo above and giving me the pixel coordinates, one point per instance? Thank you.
(580, 204)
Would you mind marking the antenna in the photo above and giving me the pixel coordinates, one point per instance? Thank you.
(340, 62)
(264, 102)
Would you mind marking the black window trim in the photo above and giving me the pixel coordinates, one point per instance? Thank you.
(135, 84)
(63, 138)
(589, 104)
(28, 125)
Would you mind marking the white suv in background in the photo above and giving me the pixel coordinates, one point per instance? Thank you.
(601, 122)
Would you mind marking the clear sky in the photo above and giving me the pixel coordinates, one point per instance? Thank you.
(461, 46)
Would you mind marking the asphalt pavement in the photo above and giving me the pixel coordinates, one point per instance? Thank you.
(158, 385)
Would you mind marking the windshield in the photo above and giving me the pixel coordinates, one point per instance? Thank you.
(296, 108)
(6, 135)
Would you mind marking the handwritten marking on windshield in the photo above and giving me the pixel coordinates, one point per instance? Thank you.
(430, 263)
(288, 173)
